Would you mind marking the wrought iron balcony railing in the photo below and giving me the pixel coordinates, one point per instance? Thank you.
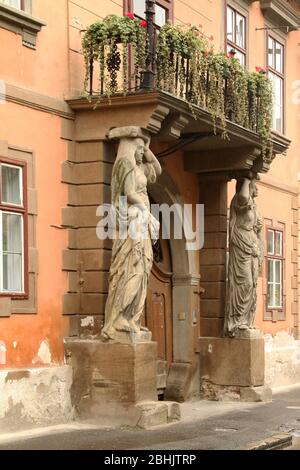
(122, 56)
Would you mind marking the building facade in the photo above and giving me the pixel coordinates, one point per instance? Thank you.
(55, 167)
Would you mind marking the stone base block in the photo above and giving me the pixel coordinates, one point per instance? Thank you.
(210, 391)
(233, 361)
(179, 381)
(112, 382)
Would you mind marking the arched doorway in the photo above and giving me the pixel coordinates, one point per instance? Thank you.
(172, 306)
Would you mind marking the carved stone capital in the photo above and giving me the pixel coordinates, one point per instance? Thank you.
(186, 279)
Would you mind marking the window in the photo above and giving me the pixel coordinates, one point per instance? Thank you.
(274, 269)
(13, 220)
(236, 34)
(275, 62)
(16, 17)
(14, 3)
(163, 10)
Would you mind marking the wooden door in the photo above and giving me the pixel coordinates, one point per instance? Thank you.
(158, 316)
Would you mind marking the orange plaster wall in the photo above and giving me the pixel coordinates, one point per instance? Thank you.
(208, 14)
(82, 14)
(31, 129)
(44, 70)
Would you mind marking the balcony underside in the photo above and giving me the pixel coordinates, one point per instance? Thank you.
(177, 124)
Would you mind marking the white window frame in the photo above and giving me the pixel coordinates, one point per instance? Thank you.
(273, 72)
(231, 44)
(2, 290)
(9, 165)
(274, 283)
(6, 210)
(157, 4)
(274, 259)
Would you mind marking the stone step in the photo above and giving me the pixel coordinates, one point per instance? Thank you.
(161, 381)
(157, 413)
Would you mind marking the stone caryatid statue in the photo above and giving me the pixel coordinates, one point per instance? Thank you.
(245, 258)
(132, 256)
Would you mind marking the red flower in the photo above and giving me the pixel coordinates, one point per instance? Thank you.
(200, 26)
(143, 24)
(231, 54)
(130, 15)
(260, 69)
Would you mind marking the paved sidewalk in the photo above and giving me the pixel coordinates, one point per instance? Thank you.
(204, 425)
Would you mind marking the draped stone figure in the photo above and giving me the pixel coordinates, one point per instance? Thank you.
(245, 259)
(132, 254)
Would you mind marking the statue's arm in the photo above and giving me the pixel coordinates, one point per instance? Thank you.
(151, 158)
(129, 190)
(244, 194)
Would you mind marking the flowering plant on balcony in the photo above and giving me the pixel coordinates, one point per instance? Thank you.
(260, 105)
(100, 43)
(180, 51)
(186, 66)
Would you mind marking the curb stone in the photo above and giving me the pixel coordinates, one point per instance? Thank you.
(275, 442)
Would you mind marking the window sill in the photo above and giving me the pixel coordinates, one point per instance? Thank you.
(21, 23)
(281, 13)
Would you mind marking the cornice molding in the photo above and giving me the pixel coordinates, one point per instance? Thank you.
(21, 23)
(281, 13)
(37, 101)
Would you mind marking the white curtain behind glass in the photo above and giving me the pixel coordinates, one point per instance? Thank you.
(12, 3)
(11, 185)
(12, 252)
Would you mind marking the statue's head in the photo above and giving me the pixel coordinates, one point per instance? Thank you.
(140, 149)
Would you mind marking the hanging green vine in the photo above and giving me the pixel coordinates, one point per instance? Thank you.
(100, 43)
(186, 66)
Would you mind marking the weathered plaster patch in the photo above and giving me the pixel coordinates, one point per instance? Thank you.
(282, 360)
(38, 396)
(2, 353)
(44, 354)
(87, 321)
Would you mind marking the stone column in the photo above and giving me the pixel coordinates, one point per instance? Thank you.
(183, 378)
(213, 194)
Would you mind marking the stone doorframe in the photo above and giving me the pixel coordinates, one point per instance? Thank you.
(183, 378)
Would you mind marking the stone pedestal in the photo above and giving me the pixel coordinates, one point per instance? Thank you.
(233, 368)
(114, 383)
